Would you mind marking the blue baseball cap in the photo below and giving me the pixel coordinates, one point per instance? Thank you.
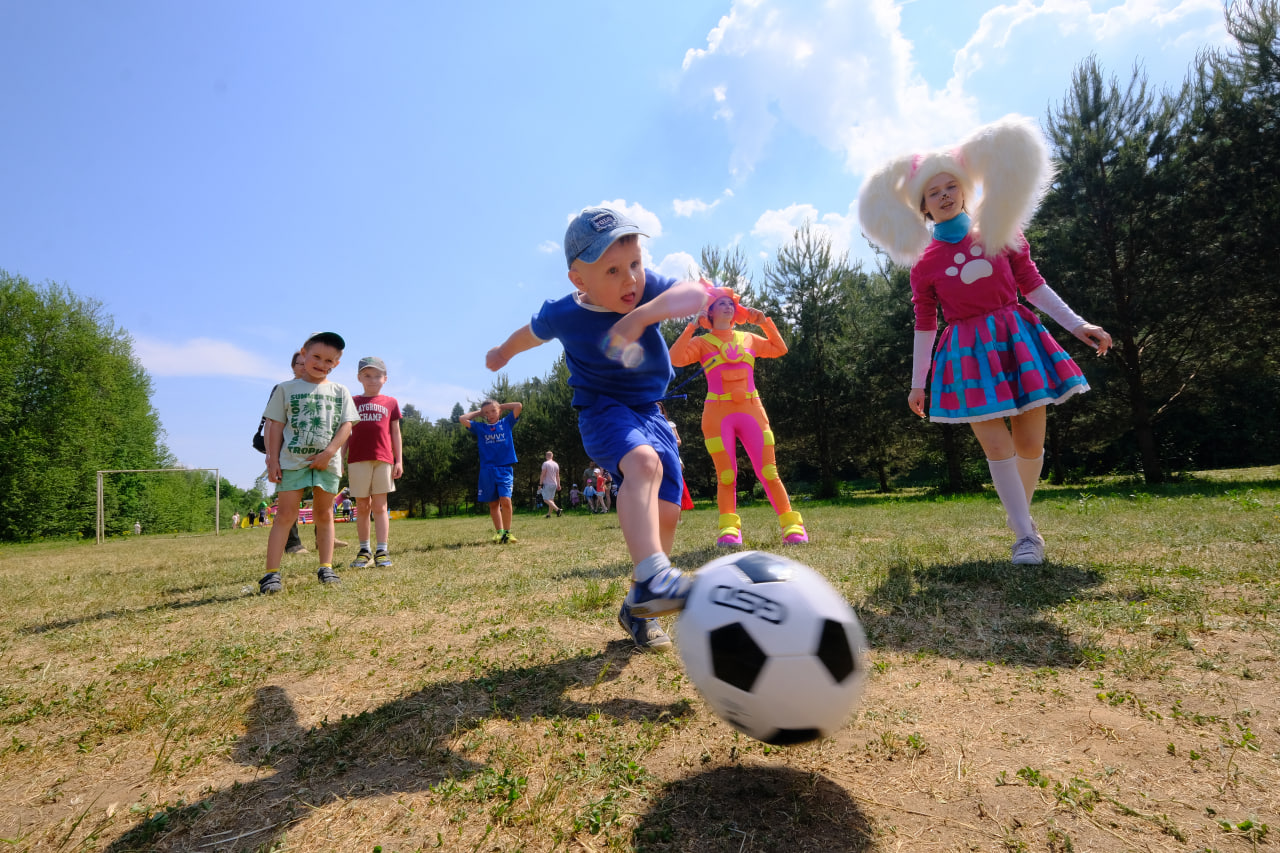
(593, 231)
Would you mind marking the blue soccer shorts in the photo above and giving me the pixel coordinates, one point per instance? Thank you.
(611, 430)
(495, 482)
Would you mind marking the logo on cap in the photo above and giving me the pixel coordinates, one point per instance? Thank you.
(604, 221)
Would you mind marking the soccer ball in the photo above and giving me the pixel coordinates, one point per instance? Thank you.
(772, 647)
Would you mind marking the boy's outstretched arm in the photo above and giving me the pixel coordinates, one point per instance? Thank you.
(681, 300)
(521, 339)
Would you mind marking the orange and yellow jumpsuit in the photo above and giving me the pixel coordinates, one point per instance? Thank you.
(733, 413)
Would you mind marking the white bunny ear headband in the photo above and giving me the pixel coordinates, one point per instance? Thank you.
(1008, 158)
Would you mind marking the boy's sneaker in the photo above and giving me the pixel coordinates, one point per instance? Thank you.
(497, 537)
(663, 593)
(559, 512)
(508, 539)
(326, 574)
(1028, 551)
(270, 584)
(382, 560)
(362, 560)
(296, 549)
(646, 633)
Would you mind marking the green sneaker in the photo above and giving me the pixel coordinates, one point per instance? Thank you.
(382, 560)
(362, 560)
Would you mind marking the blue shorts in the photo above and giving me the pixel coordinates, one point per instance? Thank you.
(495, 482)
(611, 430)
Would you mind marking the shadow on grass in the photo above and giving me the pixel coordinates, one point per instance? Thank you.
(396, 747)
(983, 610)
(753, 808)
(689, 559)
(61, 624)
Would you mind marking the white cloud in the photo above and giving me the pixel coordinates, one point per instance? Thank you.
(1075, 29)
(549, 247)
(843, 73)
(776, 228)
(688, 207)
(204, 357)
(681, 265)
(840, 72)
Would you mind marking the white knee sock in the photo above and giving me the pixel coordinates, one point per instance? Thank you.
(1004, 474)
(1029, 470)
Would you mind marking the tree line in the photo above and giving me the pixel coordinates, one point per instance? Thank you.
(1157, 227)
(74, 401)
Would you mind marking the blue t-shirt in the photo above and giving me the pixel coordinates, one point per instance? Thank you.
(582, 330)
(495, 441)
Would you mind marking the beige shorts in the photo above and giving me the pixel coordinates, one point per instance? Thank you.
(370, 478)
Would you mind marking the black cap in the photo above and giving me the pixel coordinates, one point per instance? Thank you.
(332, 339)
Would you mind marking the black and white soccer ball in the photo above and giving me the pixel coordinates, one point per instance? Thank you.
(772, 647)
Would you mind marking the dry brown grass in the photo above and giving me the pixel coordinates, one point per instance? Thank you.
(474, 697)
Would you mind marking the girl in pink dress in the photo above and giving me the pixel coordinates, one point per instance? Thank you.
(994, 360)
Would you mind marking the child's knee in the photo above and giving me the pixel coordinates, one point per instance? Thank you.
(641, 463)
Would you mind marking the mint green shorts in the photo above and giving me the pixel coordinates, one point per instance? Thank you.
(292, 481)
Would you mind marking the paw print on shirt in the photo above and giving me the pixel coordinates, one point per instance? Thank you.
(970, 272)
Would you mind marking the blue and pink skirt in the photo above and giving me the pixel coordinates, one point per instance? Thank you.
(997, 365)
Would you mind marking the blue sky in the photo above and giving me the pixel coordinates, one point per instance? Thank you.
(226, 178)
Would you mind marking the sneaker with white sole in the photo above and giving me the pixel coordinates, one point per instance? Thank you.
(362, 560)
(1028, 551)
(664, 592)
(382, 560)
(270, 584)
(646, 633)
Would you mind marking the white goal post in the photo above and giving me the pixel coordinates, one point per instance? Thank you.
(217, 493)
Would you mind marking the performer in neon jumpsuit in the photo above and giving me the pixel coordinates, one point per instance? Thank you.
(733, 412)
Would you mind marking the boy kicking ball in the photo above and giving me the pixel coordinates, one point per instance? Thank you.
(618, 302)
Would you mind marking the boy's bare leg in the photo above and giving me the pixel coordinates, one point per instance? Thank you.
(324, 524)
(668, 518)
(504, 508)
(381, 524)
(286, 514)
(638, 504)
(362, 517)
(495, 515)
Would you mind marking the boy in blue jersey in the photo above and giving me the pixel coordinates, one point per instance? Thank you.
(618, 369)
(497, 456)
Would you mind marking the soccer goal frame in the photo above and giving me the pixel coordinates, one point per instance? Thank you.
(217, 493)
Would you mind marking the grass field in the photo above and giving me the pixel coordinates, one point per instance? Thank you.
(478, 697)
